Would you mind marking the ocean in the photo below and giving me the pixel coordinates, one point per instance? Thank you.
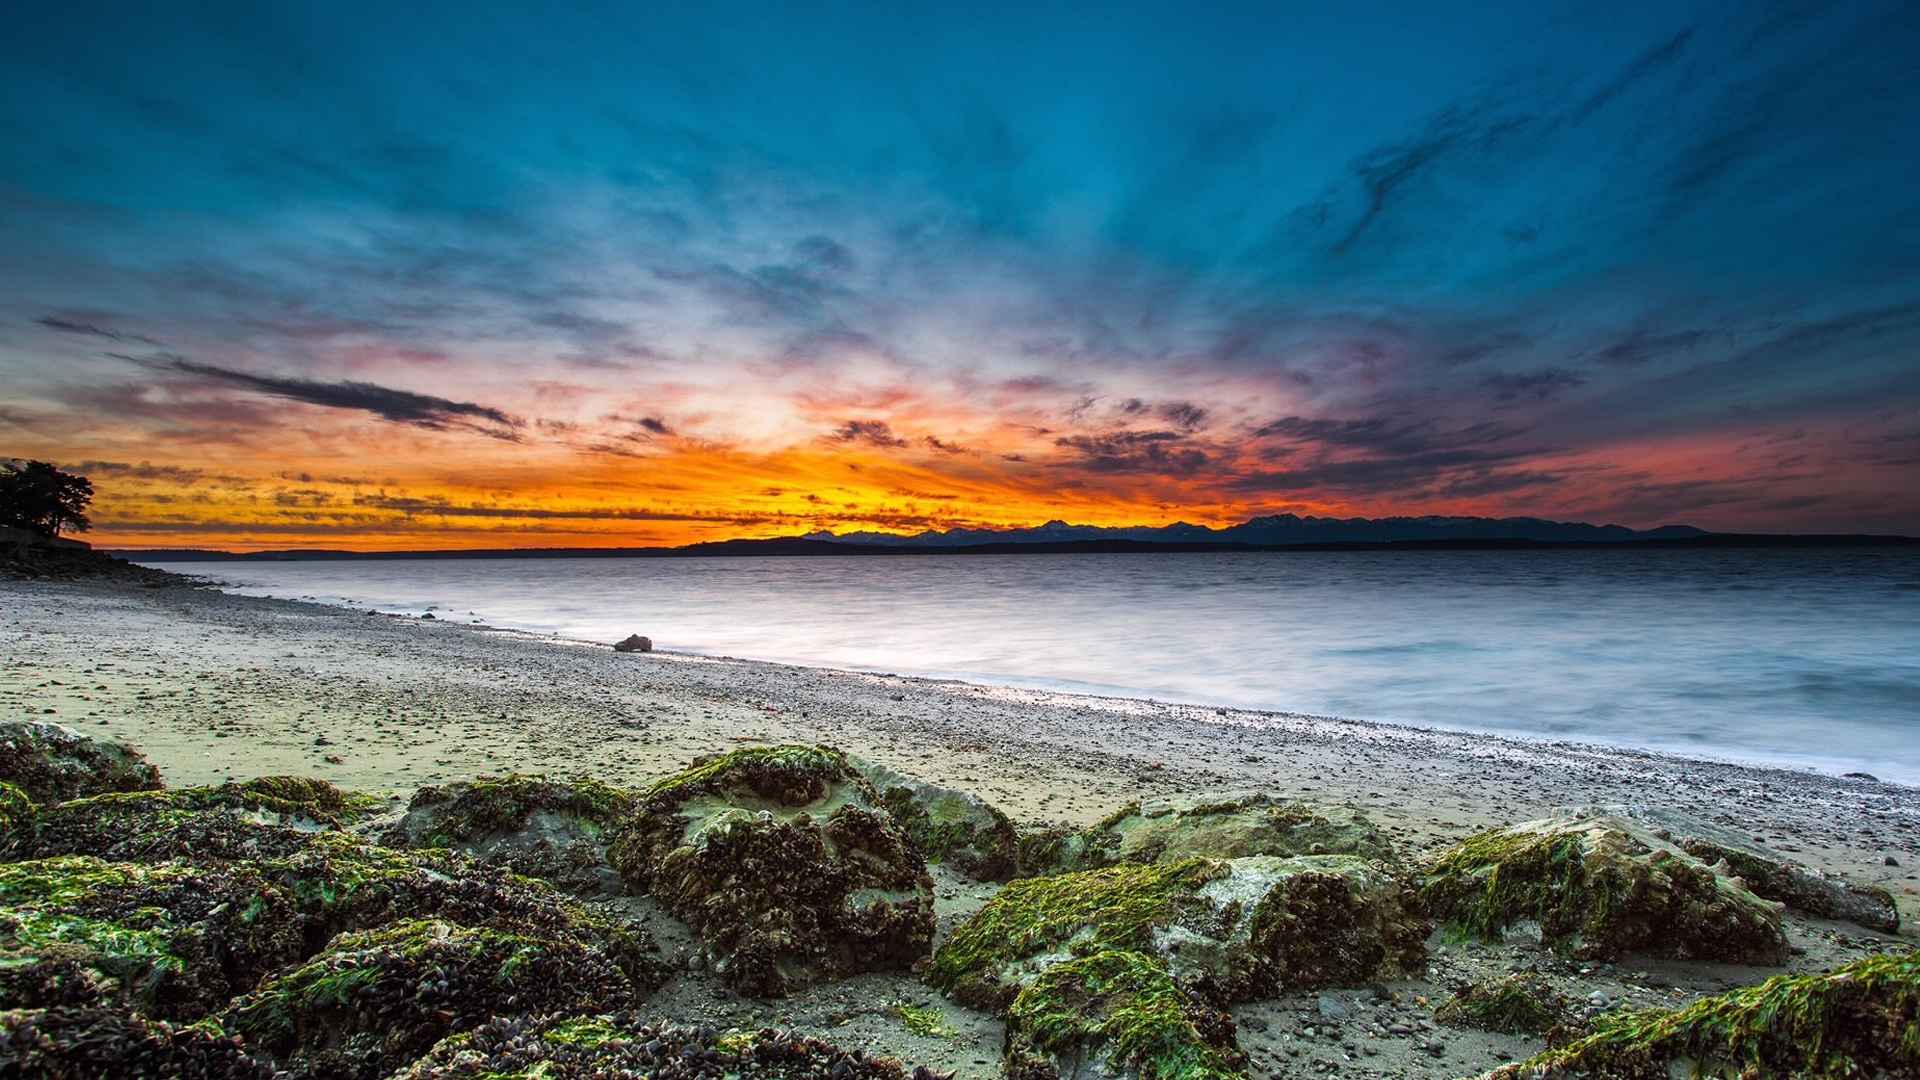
(1798, 657)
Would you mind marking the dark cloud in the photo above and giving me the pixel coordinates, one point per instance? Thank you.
(1162, 452)
(1647, 63)
(172, 474)
(73, 326)
(1640, 347)
(870, 432)
(943, 446)
(1385, 434)
(398, 406)
(1184, 415)
(1543, 385)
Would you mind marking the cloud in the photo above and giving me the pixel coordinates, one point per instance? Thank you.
(1163, 452)
(1543, 385)
(1640, 347)
(72, 326)
(398, 406)
(871, 432)
(174, 474)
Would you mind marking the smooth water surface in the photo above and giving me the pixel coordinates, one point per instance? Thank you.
(1805, 656)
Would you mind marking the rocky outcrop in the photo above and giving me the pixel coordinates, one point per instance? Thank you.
(629, 1044)
(104, 1044)
(372, 1002)
(1601, 887)
(1522, 1003)
(270, 816)
(52, 763)
(18, 819)
(1117, 1014)
(1172, 829)
(633, 643)
(1232, 930)
(785, 863)
(1769, 873)
(1858, 1020)
(955, 828)
(550, 829)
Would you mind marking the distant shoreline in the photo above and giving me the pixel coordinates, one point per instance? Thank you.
(790, 547)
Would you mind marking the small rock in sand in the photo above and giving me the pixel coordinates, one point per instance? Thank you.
(634, 643)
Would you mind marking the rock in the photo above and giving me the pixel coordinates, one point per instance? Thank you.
(628, 1044)
(550, 829)
(107, 1044)
(1116, 1014)
(1861, 776)
(1601, 887)
(1230, 930)
(1857, 1020)
(1769, 874)
(1172, 829)
(951, 827)
(1519, 1004)
(264, 817)
(1330, 1008)
(51, 763)
(1890, 861)
(17, 819)
(372, 1002)
(785, 863)
(633, 643)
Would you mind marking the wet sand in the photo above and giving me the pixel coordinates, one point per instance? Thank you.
(213, 686)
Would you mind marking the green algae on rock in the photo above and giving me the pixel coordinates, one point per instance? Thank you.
(1184, 827)
(1234, 930)
(784, 862)
(550, 829)
(1859, 1020)
(1777, 878)
(1601, 887)
(52, 762)
(1120, 1012)
(266, 816)
(17, 819)
(956, 828)
(375, 1000)
(107, 1044)
(173, 940)
(626, 1044)
(1522, 1003)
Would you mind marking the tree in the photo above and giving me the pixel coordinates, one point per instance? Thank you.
(36, 496)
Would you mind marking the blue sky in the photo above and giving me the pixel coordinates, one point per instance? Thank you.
(1633, 262)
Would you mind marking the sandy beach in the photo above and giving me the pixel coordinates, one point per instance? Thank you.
(215, 687)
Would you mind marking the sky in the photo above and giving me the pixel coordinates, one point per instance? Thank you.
(480, 275)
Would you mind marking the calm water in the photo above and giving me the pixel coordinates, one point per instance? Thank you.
(1800, 657)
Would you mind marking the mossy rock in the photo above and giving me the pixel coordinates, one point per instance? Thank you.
(627, 1045)
(1117, 1013)
(550, 829)
(53, 763)
(1601, 887)
(784, 862)
(107, 1044)
(1522, 1003)
(171, 940)
(17, 820)
(950, 827)
(265, 817)
(1232, 930)
(374, 1001)
(1860, 1020)
(1172, 829)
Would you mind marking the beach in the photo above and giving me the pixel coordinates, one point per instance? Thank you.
(214, 687)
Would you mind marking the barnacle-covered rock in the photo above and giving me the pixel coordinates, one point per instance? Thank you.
(264, 817)
(1522, 1003)
(625, 1045)
(1860, 1020)
(18, 820)
(1185, 827)
(1233, 930)
(1602, 887)
(955, 828)
(107, 1044)
(373, 1001)
(1117, 1013)
(551, 829)
(52, 762)
(784, 862)
(172, 940)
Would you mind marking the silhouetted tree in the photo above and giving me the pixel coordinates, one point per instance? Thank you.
(35, 495)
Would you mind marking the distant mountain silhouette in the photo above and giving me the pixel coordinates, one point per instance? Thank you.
(1282, 529)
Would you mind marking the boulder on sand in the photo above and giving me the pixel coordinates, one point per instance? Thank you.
(955, 828)
(1601, 887)
(550, 829)
(53, 763)
(633, 643)
(267, 816)
(1117, 1014)
(1231, 827)
(785, 863)
(1523, 1003)
(630, 1044)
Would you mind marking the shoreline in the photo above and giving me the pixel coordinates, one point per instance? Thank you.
(1065, 693)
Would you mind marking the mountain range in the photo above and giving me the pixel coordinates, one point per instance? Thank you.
(1280, 530)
